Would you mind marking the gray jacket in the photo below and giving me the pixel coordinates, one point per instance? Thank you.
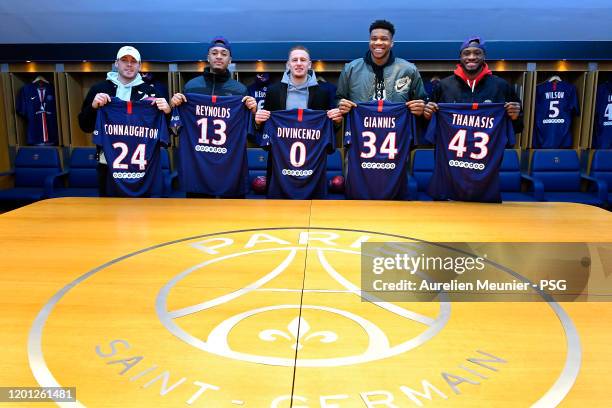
(402, 82)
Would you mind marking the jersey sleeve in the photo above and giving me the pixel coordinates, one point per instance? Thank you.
(575, 108)
(97, 137)
(331, 135)
(164, 136)
(430, 132)
(175, 121)
(264, 139)
(348, 126)
(511, 138)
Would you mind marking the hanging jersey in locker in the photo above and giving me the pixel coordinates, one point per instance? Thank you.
(378, 138)
(602, 129)
(130, 134)
(556, 104)
(470, 140)
(300, 140)
(212, 144)
(36, 103)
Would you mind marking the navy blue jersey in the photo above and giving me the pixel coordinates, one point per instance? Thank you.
(300, 140)
(602, 129)
(212, 144)
(470, 140)
(378, 138)
(258, 91)
(556, 103)
(130, 134)
(36, 103)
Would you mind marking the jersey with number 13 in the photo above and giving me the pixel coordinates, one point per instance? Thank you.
(212, 144)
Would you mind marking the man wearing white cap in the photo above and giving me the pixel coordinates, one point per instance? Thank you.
(125, 84)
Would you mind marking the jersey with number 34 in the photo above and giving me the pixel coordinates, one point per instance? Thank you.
(378, 138)
(470, 140)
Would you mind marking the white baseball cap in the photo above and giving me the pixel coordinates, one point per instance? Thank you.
(128, 50)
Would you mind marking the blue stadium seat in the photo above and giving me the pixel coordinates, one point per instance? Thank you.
(601, 170)
(334, 168)
(257, 159)
(510, 179)
(34, 167)
(81, 175)
(422, 170)
(557, 174)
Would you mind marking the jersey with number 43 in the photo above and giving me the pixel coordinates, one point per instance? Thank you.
(212, 144)
(378, 138)
(300, 140)
(470, 140)
(130, 134)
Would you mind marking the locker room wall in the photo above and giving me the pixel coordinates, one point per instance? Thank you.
(67, 21)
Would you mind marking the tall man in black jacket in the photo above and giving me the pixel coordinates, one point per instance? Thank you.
(125, 84)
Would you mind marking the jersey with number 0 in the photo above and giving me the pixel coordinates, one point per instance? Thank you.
(378, 138)
(470, 140)
(556, 104)
(130, 134)
(300, 140)
(212, 144)
(602, 130)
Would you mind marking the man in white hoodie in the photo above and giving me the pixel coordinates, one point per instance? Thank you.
(125, 84)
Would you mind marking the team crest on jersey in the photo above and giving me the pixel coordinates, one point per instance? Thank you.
(402, 84)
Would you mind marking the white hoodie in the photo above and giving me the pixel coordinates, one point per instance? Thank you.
(124, 91)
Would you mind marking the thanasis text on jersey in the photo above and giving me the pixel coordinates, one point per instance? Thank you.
(473, 121)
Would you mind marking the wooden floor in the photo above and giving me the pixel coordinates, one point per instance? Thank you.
(226, 303)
